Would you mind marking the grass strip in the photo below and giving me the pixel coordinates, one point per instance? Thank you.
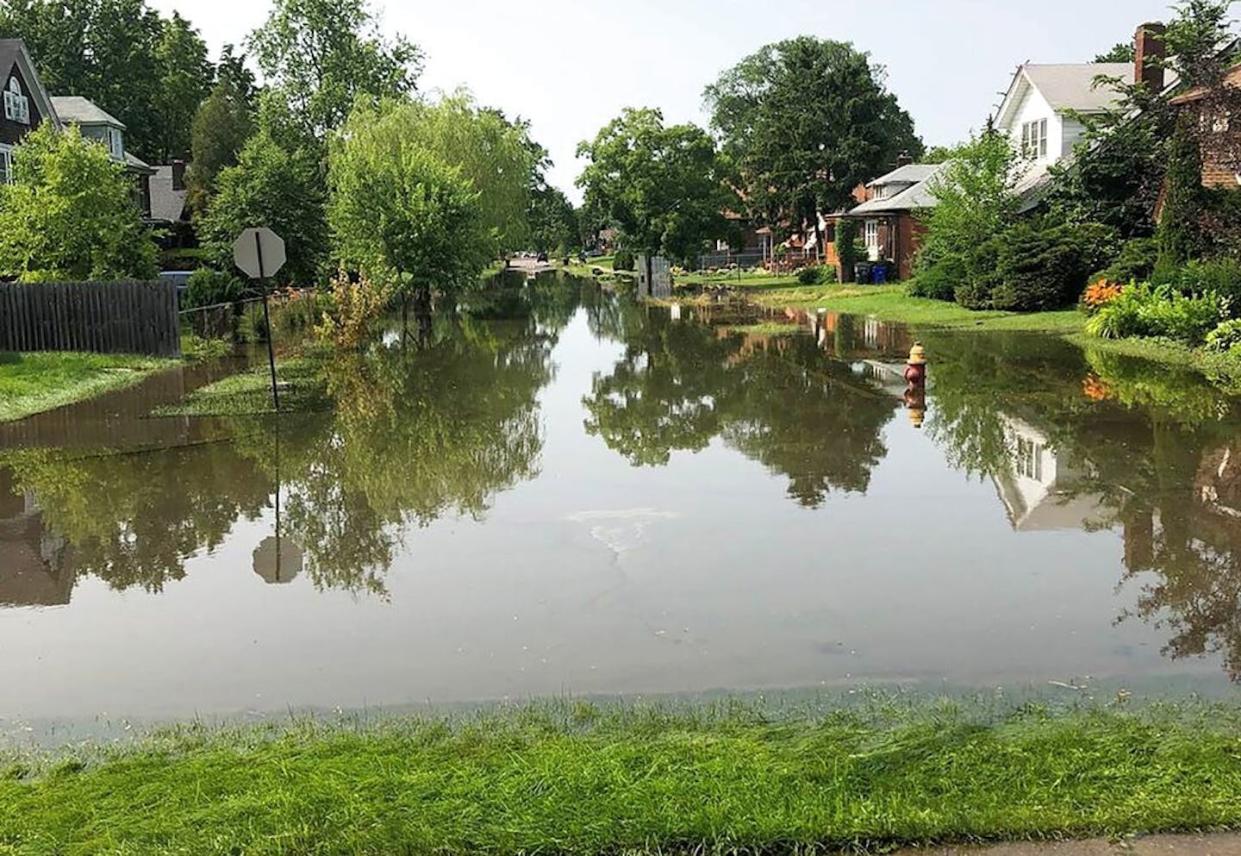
(303, 387)
(33, 383)
(635, 782)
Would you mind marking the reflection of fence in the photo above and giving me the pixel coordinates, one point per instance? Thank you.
(102, 317)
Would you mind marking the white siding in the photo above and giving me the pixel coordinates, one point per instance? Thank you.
(1033, 107)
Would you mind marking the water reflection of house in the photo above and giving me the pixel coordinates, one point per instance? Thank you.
(1037, 488)
(33, 566)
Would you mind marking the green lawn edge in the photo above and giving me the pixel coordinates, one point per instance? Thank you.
(33, 383)
(578, 780)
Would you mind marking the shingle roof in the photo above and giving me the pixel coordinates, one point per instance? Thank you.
(912, 198)
(10, 49)
(910, 173)
(1072, 86)
(83, 111)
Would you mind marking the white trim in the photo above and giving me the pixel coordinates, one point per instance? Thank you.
(6, 164)
(35, 88)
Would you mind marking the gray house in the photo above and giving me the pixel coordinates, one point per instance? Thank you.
(97, 124)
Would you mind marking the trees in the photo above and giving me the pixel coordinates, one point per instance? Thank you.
(184, 81)
(220, 128)
(70, 213)
(276, 187)
(323, 54)
(807, 120)
(399, 211)
(974, 201)
(1119, 52)
(148, 72)
(663, 186)
(554, 225)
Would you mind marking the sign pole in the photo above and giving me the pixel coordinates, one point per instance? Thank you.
(271, 334)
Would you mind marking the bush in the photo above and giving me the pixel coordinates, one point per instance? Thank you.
(1046, 268)
(1221, 277)
(210, 287)
(1225, 337)
(816, 275)
(1143, 310)
(623, 260)
(356, 310)
(936, 283)
(1135, 262)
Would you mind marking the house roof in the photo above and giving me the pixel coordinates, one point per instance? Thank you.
(910, 173)
(918, 196)
(1072, 86)
(83, 111)
(1231, 79)
(167, 204)
(13, 52)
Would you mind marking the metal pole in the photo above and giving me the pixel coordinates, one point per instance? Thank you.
(271, 334)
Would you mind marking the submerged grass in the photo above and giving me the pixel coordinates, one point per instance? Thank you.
(302, 387)
(577, 779)
(32, 383)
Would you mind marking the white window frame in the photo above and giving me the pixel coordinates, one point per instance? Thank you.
(115, 143)
(1034, 139)
(6, 164)
(16, 104)
(870, 232)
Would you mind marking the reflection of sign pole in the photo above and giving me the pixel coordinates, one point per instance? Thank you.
(260, 254)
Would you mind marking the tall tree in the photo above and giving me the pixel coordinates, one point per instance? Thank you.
(401, 209)
(323, 54)
(807, 120)
(662, 185)
(554, 225)
(184, 81)
(276, 187)
(220, 129)
(1120, 52)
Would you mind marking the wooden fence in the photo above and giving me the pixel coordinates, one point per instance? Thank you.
(103, 317)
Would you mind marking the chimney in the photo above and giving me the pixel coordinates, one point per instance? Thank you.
(1149, 53)
(178, 175)
(903, 159)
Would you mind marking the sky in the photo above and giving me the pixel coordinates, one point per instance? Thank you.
(570, 66)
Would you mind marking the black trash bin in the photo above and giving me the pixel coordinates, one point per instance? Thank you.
(862, 271)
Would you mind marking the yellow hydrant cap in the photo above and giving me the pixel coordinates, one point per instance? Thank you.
(917, 355)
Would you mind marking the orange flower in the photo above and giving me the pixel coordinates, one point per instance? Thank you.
(1101, 293)
(1095, 389)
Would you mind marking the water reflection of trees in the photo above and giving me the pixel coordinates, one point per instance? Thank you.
(680, 385)
(1153, 448)
(415, 432)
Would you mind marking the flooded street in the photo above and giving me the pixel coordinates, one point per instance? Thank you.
(566, 492)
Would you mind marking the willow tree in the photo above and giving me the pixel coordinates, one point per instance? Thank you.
(399, 212)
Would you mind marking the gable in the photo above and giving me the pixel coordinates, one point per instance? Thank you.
(15, 62)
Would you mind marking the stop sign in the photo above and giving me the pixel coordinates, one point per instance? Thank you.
(259, 252)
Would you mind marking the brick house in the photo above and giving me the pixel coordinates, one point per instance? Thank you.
(888, 216)
(1221, 149)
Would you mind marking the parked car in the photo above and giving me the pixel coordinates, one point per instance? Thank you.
(542, 258)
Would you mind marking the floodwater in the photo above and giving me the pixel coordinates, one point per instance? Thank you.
(561, 491)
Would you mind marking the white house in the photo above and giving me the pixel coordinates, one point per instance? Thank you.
(1040, 486)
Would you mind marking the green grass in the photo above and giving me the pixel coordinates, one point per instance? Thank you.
(768, 328)
(892, 303)
(34, 383)
(302, 388)
(577, 780)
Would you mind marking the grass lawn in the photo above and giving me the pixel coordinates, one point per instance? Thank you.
(34, 383)
(572, 779)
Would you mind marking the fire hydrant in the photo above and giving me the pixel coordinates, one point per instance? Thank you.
(915, 369)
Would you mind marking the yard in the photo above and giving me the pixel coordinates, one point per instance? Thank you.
(34, 383)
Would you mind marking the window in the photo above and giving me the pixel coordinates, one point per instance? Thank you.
(6, 164)
(116, 144)
(16, 105)
(872, 234)
(1029, 459)
(1034, 139)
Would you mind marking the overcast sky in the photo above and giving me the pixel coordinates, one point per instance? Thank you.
(571, 65)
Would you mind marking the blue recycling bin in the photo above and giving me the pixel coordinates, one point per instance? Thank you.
(880, 272)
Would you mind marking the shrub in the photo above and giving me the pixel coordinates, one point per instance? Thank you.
(849, 247)
(816, 274)
(1046, 268)
(1135, 262)
(210, 287)
(937, 281)
(1143, 310)
(356, 309)
(1221, 277)
(623, 260)
(1225, 337)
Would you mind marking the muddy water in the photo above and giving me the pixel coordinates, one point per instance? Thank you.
(562, 491)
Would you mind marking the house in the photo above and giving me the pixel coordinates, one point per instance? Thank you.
(169, 193)
(1221, 150)
(26, 103)
(97, 124)
(1041, 488)
(889, 225)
